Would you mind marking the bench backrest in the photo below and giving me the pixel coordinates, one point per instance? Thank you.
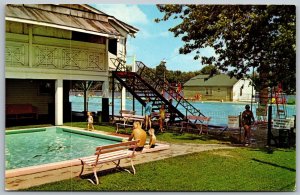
(116, 147)
(127, 115)
(201, 118)
(137, 117)
(20, 109)
(122, 112)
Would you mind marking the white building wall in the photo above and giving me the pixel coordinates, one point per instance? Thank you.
(30, 54)
(242, 90)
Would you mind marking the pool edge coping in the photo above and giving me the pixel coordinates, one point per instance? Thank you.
(55, 165)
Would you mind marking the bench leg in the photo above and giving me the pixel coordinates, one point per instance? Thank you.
(200, 130)
(119, 167)
(95, 174)
(117, 128)
(181, 130)
(82, 167)
(96, 177)
(131, 161)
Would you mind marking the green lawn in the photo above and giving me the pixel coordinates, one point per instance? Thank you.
(241, 169)
(171, 137)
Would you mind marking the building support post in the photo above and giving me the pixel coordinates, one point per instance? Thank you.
(105, 102)
(113, 99)
(105, 89)
(59, 102)
(123, 99)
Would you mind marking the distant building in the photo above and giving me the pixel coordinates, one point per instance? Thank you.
(218, 88)
(48, 46)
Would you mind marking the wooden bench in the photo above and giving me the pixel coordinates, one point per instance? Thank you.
(127, 119)
(127, 112)
(191, 123)
(123, 122)
(110, 153)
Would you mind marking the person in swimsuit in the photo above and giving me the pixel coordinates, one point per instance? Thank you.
(148, 111)
(138, 134)
(152, 138)
(90, 120)
(247, 121)
(162, 116)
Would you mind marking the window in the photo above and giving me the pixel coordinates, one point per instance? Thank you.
(241, 90)
(78, 36)
(112, 46)
(208, 91)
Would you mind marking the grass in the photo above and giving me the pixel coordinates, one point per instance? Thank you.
(171, 137)
(241, 169)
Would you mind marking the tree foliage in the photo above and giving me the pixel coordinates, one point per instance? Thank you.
(210, 70)
(244, 37)
(177, 76)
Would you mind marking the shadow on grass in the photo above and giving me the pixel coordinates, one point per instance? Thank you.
(271, 150)
(273, 164)
(100, 173)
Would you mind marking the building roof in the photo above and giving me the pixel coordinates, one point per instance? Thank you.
(221, 80)
(80, 18)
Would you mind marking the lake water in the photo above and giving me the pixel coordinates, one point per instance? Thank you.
(219, 111)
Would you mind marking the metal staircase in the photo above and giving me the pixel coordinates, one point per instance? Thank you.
(145, 84)
(161, 85)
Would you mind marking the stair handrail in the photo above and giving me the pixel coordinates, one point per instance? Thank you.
(149, 86)
(165, 86)
(119, 63)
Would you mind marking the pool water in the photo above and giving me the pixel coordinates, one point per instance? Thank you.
(48, 145)
(218, 111)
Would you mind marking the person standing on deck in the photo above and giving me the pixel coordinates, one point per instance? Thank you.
(90, 120)
(148, 111)
(162, 116)
(247, 121)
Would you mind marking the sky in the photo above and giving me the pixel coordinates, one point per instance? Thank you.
(153, 43)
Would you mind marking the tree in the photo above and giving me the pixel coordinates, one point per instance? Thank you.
(86, 87)
(161, 70)
(210, 70)
(244, 37)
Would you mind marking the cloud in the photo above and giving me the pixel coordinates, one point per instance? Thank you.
(144, 34)
(164, 34)
(186, 62)
(130, 14)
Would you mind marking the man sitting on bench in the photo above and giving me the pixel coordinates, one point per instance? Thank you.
(138, 134)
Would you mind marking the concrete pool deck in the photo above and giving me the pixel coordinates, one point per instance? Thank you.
(23, 181)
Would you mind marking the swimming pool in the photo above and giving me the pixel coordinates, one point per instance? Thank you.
(29, 147)
(218, 111)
